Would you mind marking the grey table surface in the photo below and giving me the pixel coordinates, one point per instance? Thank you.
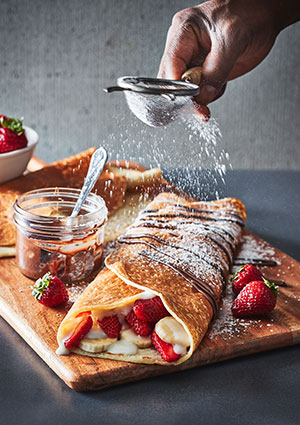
(256, 389)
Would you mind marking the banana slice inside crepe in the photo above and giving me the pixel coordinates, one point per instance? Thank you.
(140, 341)
(96, 345)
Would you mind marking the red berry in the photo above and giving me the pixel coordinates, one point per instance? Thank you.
(244, 275)
(139, 326)
(151, 310)
(11, 141)
(50, 291)
(83, 313)
(164, 348)
(2, 119)
(111, 326)
(256, 298)
(80, 332)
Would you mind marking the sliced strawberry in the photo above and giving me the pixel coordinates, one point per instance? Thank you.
(111, 326)
(164, 348)
(139, 326)
(151, 310)
(80, 332)
(84, 313)
(50, 291)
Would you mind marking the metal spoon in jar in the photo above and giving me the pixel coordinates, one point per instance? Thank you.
(97, 163)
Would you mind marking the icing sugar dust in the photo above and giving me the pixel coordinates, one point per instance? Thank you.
(188, 150)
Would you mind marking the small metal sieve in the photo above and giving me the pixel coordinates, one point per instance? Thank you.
(157, 101)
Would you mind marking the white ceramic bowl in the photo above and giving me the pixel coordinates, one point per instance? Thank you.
(13, 164)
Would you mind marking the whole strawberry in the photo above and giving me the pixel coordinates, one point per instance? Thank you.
(256, 298)
(151, 310)
(244, 275)
(50, 291)
(12, 136)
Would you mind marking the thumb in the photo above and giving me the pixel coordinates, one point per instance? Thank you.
(216, 69)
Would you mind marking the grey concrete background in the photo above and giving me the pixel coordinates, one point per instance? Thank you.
(56, 56)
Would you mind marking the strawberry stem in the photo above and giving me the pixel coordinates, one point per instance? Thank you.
(271, 286)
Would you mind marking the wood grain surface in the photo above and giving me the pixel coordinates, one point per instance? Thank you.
(227, 337)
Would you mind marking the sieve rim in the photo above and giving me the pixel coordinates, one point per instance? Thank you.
(131, 83)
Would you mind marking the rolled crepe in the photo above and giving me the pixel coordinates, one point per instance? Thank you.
(178, 250)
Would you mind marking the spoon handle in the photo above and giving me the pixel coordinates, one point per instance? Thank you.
(97, 163)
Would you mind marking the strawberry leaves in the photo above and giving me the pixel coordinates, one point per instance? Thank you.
(14, 124)
(41, 284)
(272, 286)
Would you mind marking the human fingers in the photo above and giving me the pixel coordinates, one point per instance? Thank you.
(183, 49)
(198, 99)
(216, 69)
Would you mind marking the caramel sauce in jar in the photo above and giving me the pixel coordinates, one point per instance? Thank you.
(48, 239)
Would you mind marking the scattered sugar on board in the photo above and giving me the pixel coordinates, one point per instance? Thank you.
(76, 289)
(253, 248)
(228, 327)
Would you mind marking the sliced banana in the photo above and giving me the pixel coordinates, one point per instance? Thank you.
(123, 347)
(140, 341)
(171, 331)
(96, 345)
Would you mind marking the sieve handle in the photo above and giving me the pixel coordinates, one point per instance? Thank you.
(193, 75)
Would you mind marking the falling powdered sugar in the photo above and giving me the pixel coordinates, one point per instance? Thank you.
(188, 150)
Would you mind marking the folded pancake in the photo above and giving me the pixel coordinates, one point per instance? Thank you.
(176, 250)
(69, 172)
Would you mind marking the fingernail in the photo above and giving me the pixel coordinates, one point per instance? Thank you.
(207, 94)
(204, 112)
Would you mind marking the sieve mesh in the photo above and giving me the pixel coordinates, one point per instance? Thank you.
(155, 110)
(155, 101)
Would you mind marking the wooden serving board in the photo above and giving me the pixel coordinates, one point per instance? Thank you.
(227, 337)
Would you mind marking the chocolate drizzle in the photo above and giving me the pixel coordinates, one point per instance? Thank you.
(210, 225)
(196, 283)
(131, 239)
(197, 210)
(201, 217)
(205, 227)
(238, 261)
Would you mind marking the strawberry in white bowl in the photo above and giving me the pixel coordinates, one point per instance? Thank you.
(17, 144)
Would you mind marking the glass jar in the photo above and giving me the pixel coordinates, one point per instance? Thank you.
(48, 239)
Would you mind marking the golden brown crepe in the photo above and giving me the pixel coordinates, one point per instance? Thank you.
(69, 172)
(179, 250)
